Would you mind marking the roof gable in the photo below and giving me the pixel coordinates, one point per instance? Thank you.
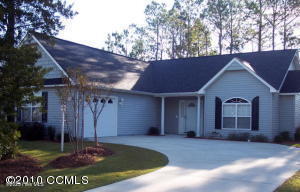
(191, 74)
(235, 64)
(291, 83)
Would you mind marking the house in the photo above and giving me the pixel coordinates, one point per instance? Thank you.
(257, 93)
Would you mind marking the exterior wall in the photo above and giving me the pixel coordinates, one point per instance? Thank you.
(275, 114)
(239, 83)
(297, 113)
(287, 113)
(171, 115)
(46, 62)
(137, 113)
(54, 110)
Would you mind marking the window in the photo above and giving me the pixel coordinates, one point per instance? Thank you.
(31, 112)
(236, 114)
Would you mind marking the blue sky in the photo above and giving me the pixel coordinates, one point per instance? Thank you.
(97, 18)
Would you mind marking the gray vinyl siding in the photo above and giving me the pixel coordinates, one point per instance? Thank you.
(46, 62)
(297, 113)
(171, 115)
(287, 113)
(275, 114)
(54, 110)
(137, 113)
(239, 84)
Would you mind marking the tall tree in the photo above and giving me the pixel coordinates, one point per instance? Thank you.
(19, 78)
(118, 42)
(235, 28)
(291, 14)
(274, 17)
(200, 39)
(217, 13)
(155, 18)
(257, 11)
(188, 10)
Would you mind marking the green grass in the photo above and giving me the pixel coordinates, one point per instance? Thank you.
(127, 162)
(291, 185)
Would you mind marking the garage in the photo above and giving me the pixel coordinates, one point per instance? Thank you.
(107, 122)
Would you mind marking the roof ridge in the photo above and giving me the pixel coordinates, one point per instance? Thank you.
(90, 47)
(233, 54)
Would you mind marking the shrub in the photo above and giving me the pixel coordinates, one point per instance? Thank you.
(9, 135)
(66, 137)
(190, 134)
(32, 131)
(285, 135)
(259, 138)
(238, 136)
(278, 139)
(51, 133)
(297, 134)
(153, 131)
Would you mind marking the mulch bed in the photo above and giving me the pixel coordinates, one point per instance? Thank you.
(82, 158)
(22, 165)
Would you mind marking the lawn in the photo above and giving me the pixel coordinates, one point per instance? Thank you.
(127, 162)
(291, 185)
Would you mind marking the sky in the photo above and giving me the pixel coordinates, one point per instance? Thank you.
(97, 18)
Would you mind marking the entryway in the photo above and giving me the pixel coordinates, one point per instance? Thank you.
(187, 116)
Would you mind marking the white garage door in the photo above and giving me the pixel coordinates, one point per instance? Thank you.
(107, 121)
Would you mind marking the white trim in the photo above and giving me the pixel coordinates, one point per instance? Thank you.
(198, 116)
(289, 93)
(176, 94)
(162, 117)
(236, 113)
(48, 54)
(245, 66)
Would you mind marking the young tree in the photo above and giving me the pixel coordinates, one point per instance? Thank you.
(97, 95)
(217, 13)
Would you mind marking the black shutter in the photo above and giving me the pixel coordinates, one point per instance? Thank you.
(218, 113)
(19, 114)
(45, 107)
(255, 114)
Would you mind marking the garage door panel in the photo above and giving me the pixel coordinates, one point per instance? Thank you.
(107, 122)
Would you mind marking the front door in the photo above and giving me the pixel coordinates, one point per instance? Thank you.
(187, 116)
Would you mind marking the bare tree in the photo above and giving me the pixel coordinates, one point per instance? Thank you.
(97, 96)
(72, 95)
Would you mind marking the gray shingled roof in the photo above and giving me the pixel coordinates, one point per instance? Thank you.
(292, 82)
(190, 74)
(123, 72)
(164, 76)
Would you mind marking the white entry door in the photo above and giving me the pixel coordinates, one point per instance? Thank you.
(187, 116)
(107, 122)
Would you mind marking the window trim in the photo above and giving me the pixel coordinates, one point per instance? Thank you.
(236, 113)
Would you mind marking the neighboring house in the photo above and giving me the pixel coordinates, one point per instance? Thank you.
(257, 93)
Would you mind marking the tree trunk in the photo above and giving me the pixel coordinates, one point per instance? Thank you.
(259, 45)
(95, 131)
(157, 35)
(11, 21)
(220, 41)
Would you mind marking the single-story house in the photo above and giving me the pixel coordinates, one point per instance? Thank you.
(257, 93)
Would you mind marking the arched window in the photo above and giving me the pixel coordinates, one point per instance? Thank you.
(236, 114)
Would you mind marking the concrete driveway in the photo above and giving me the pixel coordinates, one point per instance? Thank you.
(210, 165)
